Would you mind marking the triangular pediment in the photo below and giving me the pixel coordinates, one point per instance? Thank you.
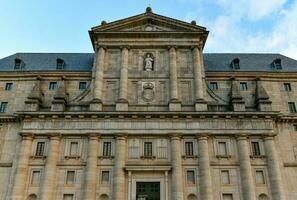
(150, 22)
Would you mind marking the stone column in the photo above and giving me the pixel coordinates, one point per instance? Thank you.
(119, 171)
(200, 103)
(177, 177)
(274, 172)
(50, 170)
(174, 104)
(122, 104)
(22, 168)
(247, 180)
(96, 103)
(204, 169)
(91, 169)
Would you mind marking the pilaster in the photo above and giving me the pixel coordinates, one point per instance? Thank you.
(122, 103)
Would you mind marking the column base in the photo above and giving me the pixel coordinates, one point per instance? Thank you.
(174, 105)
(201, 105)
(32, 105)
(122, 105)
(264, 105)
(96, 105)
(238, 105)
(58, 105)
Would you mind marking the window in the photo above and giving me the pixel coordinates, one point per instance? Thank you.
(243, 86)
(40, 149)
(105, 177)
(225, 177)
(256, 149)
(260, 177)
(35, 178)
(8, 86)
(189, 148)
(52, 86)
(227, 197)
(3, 107)
(277, 63)
(287, 87)
(73, 149)
(292, 107)
(222, 148)
(295, 127)
(235, 63)
(68, 197)
(106, 148)
(18, 64)
(60, 64)
(82, 85)
(70, 177)
(191, 177)
(148, 149)
(213, 86)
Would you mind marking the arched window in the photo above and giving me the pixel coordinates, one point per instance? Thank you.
(263, 197)
(32, 197)
(104, 197)
(192, 197)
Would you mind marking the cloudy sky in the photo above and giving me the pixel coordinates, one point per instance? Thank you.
(268, 26)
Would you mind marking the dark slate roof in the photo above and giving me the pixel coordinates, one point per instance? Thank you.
(212, 62)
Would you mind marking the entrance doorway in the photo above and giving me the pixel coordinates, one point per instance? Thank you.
(148, 190)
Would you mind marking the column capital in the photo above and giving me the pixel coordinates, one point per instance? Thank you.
(241, 137)
(202, 136)
(27, 136)
(120, 136)
(268, 137)
(195, 47)
(172, 47)
(174, 136)
(55, 136)
(98, 47)
(125, 47)
(93, 136)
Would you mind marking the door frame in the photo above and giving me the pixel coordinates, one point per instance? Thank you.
(162, 186)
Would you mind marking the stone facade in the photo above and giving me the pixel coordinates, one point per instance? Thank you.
(148, 110)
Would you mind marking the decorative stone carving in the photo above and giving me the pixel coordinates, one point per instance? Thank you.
(148, 62)
(148, 91)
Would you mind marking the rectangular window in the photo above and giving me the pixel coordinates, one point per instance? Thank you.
(227, 197)
(295, 127)
(82, 85)
(189, 148)
(287, 87)
(52, 86)
(73, 149)
(213, 86)
(225, 177)
(35, 178)
(3, 107)
(106, 148)
(243, 86)
(68, 197)
(256, 149)
(191, 177)
(105, 177)
(8, 86)
(260, 177)
(148, 149)
(292, 107)
(222, 148)
(40, 149)
(70, 177)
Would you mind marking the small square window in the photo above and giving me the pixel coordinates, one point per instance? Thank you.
(292, 107)
(35, 178)
(52, 86)
(148, 149)
(73, 149)
(213, 86)
(225, 177)
(3, 107)
(70, 177)
(68, 197)
(191, 177)
(287, 87)
(40, 149)
(243, 86)
(105, 177)
(222, 149)
(256, 149)
(295, 127)
(189, 148)
(260, 179)
(82, 85)
(106, 148)
(8, 86)
(227, 197)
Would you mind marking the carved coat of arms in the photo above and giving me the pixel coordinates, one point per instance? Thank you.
(148, 91)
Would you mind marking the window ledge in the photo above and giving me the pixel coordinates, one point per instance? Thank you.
(190, 157)
(38, 157)
(223, 156)
(148, 157)
(257, 157)
(106, 157)
(72, 157)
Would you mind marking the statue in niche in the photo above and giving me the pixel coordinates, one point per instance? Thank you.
(149, 62)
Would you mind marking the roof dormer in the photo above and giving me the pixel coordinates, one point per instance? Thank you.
(277, 64)
(60, 64)
(19, 63)
(235, 63)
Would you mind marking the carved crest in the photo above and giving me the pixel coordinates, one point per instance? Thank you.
(148, 91)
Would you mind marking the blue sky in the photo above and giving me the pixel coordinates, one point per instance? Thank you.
(234, 25)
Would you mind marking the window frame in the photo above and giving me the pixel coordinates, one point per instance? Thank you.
(287, 87)
(148, 152)
(36, 149)
(68, 154)
(101, 177)
(109, 149)
(227, 193)
(53, 85)
(82, 83)
(263, 174)
(191, 148)
(243, 86)
(292, 107)
(228, 148)
(229, 177)
(67, 172)
(3, 107)
(214, 86)
(188, 182)
(64, 195)
(8, 86)
(261, 148)
(39, 177)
